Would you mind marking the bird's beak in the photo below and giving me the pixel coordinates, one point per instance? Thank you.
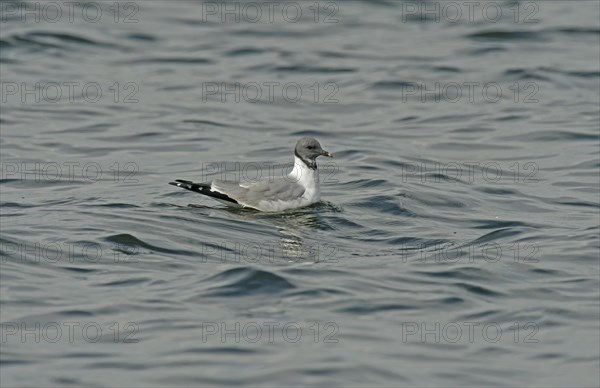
(328, 154)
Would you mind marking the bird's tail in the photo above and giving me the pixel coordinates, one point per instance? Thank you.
(202, 188)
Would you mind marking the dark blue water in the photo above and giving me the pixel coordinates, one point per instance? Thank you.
(456, 243)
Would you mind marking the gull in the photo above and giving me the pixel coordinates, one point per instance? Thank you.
(298, 189)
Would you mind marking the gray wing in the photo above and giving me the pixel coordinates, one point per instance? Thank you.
(251, 194)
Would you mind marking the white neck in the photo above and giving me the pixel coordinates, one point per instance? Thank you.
(304, 176)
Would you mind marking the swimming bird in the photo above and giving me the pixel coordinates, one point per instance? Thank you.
(298, 189)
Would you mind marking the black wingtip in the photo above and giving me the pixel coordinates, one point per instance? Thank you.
(184, 183)
(202, 188)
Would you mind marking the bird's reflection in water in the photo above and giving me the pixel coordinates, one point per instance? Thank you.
(291, 247)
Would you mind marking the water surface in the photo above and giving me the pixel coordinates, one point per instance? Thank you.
(456, 243)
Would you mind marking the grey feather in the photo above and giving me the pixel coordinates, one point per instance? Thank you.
(251, 194)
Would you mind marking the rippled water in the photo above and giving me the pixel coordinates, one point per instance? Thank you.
(456, 244)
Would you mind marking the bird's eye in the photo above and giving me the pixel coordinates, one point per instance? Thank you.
(310, 147)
